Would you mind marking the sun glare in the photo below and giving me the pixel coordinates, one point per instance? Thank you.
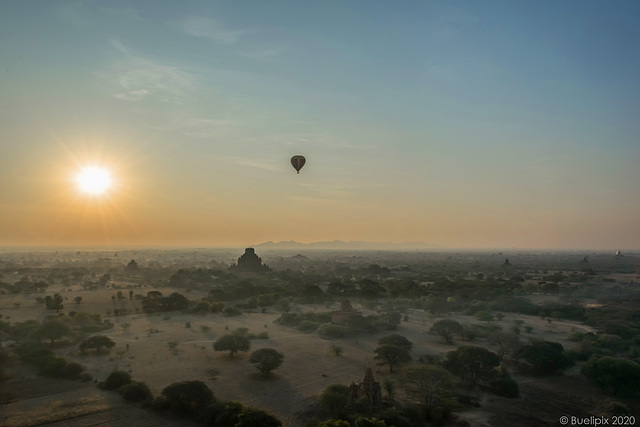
(93, 180)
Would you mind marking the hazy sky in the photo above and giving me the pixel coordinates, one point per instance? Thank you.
(460, 123)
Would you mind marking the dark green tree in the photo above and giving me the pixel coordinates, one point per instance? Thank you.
(391, 355)
(116, 379)
(369, 422)
(620, 377)
(397, 340)
(188, 397)
(251, 417)
(447, 328)
(335, 397)
(136, 392)
(53, 330)
(472, 364)
(98, 342)
(266, 360)
(54, 303)
(431, 385)
(232, 343)
(543, 357)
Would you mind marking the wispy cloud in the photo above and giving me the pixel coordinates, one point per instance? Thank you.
(138, 77)
(199, 26)
(259, 165)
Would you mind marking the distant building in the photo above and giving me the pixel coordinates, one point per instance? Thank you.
(367, 387)
(619, 254)
(249, 262)
(341, 317)
(132, 268)
(506, 263)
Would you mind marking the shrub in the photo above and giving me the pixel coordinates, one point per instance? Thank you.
(136, 392)
(333, 331)
(188, 397)
(335, 397)
(73, 370)
(307, 326)
(160, 403)
(115, 380)
(231, 311)
(505, 386)
(266, 360)
(53, 367)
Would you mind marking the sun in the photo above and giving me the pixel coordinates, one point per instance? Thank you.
(94, 180)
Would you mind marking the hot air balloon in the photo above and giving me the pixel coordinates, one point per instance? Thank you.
(298, 162)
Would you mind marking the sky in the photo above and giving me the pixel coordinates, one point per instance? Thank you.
(462, 124)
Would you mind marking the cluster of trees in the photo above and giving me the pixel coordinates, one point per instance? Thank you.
(265, 360)
(158, 303)
(192, 399)
(47, 363)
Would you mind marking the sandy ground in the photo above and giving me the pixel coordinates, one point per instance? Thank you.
(309, 366)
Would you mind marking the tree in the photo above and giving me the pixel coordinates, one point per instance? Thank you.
(176, 301)
(369, 422)
(432, 386)
(116, 379)
(484, 316)
(283, 305)
(389, 386)
(188, 397)
(543, 357)
(472, 363)
(266, 360)
(391, 355)
(136, 392)
(506, 342)
(78, 300)
(54, 303)
(397, 340)
(337, 349)
(447, 328)
(335, 397)
(251, 417)
(620, 377)
(232, 343)
(97, 342)
(53, 330)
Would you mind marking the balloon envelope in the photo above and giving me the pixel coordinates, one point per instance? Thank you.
(298, 162)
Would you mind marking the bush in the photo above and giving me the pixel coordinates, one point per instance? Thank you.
(136, 392)
(188, 397)
(307, 326)
(333, 331)
(259, 336)
(53, 367)
(231, 311)
(160, 403)
(335, 397)
(73, 370)
(115, 380)
(505, 386)
(33, 352)
(620, 377)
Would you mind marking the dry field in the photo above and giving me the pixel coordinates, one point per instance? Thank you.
(309, 366)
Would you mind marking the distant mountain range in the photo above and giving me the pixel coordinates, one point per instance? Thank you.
(339, 244)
